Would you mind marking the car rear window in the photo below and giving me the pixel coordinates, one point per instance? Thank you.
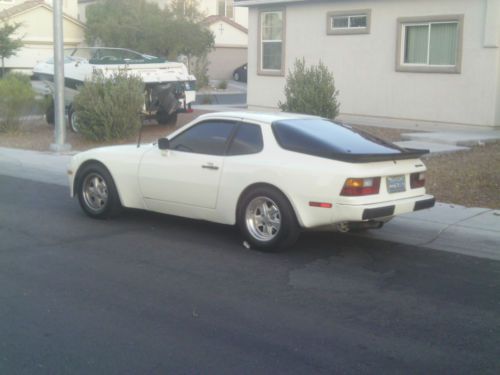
(325, 138)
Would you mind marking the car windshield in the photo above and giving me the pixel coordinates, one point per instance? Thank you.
(111, 56)
(325, 138)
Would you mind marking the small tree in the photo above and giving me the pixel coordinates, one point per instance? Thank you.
(311, 91)
(109, 108)
(141, 25)
(8, 45)
(186, 9)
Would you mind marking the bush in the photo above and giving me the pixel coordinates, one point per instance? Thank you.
(109, 108)
(16, 98)
(222, 85)
(311, 91)
(200, 71)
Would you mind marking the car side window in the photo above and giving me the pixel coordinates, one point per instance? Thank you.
(248, 140)
(209, 137)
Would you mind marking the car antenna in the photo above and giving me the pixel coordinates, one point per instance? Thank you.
(140, 132)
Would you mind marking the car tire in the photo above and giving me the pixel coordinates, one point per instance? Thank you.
(236, 76)
(97, 192)
(267, 220)
(164, 118)
(73, 120)
(50, 114)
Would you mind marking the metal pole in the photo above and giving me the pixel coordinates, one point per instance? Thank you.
(59, 117)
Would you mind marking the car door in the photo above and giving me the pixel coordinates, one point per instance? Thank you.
(189, 172)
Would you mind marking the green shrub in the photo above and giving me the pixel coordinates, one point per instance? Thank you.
(108, 108)
(16, 98)
(311, 91)
(200, 71)
(222, 85)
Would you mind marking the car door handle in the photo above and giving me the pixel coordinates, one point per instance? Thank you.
(210, 166)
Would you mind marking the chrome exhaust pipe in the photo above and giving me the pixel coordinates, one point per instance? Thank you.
(343, 227)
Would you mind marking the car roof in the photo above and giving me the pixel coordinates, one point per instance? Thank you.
(265, 117)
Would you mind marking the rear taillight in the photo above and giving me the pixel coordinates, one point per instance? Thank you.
(417, 180)
(361, 186)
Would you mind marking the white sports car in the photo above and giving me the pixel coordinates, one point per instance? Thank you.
(272, 174)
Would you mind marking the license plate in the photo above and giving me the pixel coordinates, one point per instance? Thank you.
(396, 184)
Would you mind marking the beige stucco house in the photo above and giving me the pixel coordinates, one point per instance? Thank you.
(230, 50)
(36, 32)
(414, 61)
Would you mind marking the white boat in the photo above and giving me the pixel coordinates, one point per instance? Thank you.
(169, 88)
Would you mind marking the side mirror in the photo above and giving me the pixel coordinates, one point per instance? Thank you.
(163, 144)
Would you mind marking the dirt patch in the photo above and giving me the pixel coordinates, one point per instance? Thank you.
(387, 134)
(469, 178)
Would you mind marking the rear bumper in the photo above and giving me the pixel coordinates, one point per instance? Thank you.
(344, 212)
(385, 211)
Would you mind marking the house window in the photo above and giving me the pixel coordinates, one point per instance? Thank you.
(348, 22)
(225, 8)
(272, 36)
(432, 45)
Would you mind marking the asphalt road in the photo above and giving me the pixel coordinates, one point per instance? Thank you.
(153, 294)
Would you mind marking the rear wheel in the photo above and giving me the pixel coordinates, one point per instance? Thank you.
(267, 220)
(73, 120)
(163, 118)
(97, 192)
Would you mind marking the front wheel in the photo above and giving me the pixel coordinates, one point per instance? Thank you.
(73, 120)
(97, 192)
(267, 220)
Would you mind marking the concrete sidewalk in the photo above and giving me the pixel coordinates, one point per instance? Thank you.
(447, 227)
(452, 228)
(34, 165)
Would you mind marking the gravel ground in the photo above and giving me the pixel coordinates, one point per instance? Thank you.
(469, 178)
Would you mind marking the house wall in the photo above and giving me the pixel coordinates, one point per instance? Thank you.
(227, 35)
(224, 60)
(36, 33)
(82, 8)
(364, 65)
(230, 50)
(209, 7)
(70, 7)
